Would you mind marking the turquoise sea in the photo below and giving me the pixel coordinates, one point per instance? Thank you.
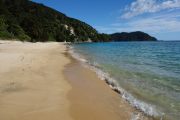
(146, 73)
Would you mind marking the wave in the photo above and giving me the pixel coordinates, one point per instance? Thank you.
(140, 105)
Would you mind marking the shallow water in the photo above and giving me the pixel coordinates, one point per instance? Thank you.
(147, 73)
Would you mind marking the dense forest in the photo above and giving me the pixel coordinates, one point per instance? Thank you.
(26, 20)
(132, 36)
(29, 21)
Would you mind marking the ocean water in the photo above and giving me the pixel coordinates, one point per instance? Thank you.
(147, 74)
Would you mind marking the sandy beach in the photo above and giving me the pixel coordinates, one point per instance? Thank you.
(32, 85)
(41, 81)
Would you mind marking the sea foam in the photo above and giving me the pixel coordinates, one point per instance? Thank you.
(140, 105)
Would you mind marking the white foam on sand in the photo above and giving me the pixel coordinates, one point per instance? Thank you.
(144, 107)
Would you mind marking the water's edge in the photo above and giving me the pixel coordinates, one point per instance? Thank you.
(141, 106)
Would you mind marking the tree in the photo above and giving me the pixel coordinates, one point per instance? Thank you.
(3, 29)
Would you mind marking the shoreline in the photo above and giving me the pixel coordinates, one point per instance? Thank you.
(43, 81)
(90, 94)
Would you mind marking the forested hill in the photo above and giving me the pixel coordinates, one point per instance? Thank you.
(132, 36)
(26, 20)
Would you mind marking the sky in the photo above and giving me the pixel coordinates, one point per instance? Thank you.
(159, 18)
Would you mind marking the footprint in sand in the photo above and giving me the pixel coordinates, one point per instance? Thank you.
(22, 58)
(11, 87)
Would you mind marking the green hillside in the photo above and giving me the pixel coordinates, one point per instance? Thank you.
(132, 36)
(26, 20)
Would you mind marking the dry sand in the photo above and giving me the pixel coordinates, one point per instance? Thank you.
(32, 85)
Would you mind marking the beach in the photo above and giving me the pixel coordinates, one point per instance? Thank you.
(58, 62)
(32, 84)
(41, 81)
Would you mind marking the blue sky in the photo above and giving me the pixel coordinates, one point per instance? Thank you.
(160, 18)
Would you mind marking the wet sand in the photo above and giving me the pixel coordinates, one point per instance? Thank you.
(32, 84)
(92, 99)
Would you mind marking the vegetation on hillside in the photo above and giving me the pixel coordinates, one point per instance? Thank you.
(132, 36)
(26, 20)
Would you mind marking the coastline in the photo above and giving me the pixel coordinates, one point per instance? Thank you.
(32, 84)
(43, 81)
(92, 98)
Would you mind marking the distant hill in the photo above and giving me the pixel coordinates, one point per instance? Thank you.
(133, 36)
(30, 21)
(26, 20)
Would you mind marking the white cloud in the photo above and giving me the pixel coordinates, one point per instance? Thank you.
(158, 24)
(155, 25)
(165, 19)
(139, 7)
